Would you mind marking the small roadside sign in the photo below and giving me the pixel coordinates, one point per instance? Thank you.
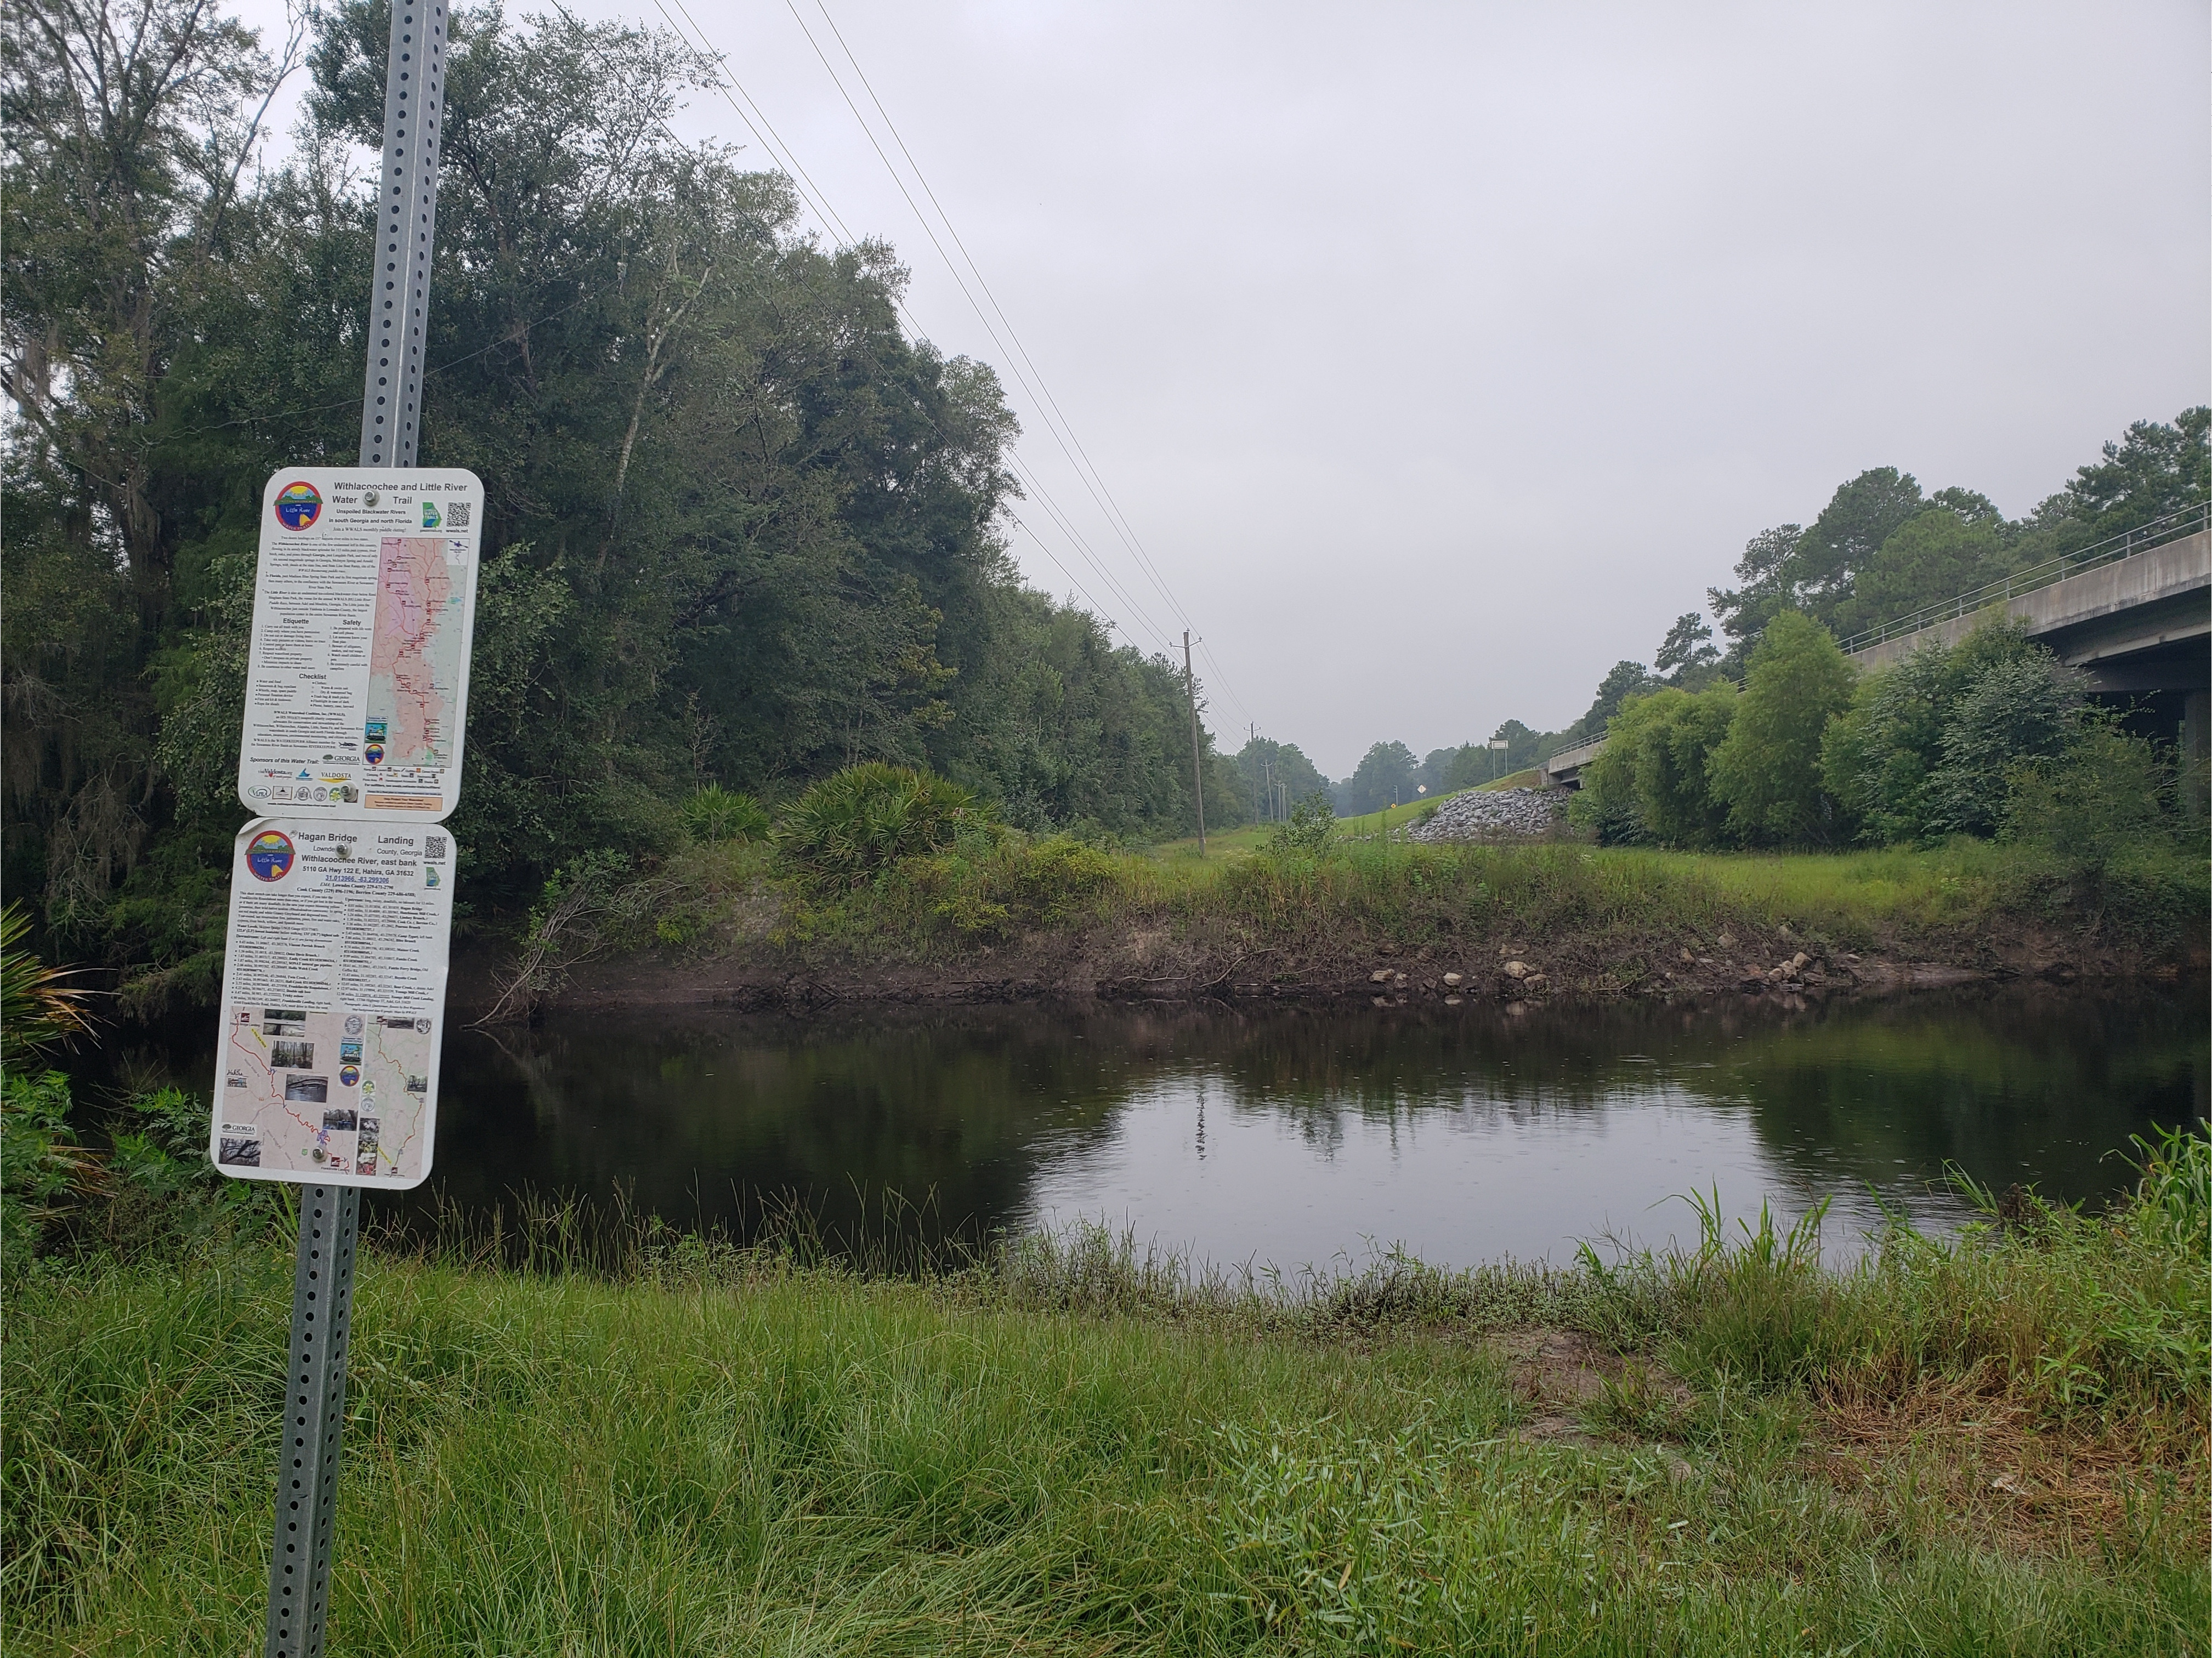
(357, 672)
(333, 1002)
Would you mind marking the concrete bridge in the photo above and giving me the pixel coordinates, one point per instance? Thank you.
(2133, 613)
(2135, 619)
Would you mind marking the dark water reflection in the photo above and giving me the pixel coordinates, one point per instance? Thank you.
(1291, 1137)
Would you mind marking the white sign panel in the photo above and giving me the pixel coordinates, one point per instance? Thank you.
(357, 676)
(333, 1001)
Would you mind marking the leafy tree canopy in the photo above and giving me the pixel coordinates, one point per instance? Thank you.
(1766, 772)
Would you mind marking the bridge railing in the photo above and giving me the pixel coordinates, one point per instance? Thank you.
(2168, 526)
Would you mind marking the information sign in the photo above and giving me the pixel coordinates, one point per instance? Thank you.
(358, 674)
(333, 999)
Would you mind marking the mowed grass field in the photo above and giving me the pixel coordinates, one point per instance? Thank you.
(1995, 1445)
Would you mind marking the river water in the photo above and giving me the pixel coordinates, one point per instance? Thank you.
(1295, 1136)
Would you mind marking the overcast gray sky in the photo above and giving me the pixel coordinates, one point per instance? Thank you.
(1440, 354)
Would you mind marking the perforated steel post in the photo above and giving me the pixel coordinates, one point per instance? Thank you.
(314, 1410)
(406, 219)
(330, 1216)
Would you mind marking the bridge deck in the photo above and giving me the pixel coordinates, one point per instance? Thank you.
(2147, 617)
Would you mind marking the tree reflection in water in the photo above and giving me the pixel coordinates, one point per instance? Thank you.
(1467, 1133)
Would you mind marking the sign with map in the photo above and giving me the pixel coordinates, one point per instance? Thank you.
(357, 672)
(333, 1001)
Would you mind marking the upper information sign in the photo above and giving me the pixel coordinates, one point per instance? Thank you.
(357, 676)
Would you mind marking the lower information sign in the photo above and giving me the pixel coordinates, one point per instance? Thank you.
(333, 1001)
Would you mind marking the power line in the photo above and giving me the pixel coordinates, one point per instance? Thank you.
(755, 121)
(1015, 354)
(1114, 516)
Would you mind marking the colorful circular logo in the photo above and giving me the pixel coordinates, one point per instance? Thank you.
(299, 505)
(348, 1074)
(373, 754)
(269, 856)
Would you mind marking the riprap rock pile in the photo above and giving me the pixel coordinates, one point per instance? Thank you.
(1491, 814)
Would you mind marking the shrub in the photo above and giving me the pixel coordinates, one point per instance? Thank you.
(1312, 825)
(1044, 883)
(1651, 781)
(2107, 792)
(1767, 772)
(849, 827)
(1884, 760)
(2023, 710)
(716, 814)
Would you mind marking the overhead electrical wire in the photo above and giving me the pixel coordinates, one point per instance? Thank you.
(1015, 354)
(1112, 507)
(755, 121)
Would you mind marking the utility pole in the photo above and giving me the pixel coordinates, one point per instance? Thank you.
(1197, 773)
(1251, 737)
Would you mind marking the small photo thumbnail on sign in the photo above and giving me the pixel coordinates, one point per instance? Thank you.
(340, 1119)
(239, 1145)
(369, 1129)
(283, 1022)
(418, 1085)
(310, 1090)
(291, 1056)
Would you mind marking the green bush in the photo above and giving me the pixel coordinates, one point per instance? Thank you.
(1312, 825)
(2107, 792)
(1767, 772)
(2021, 710)
(1652, 780)
(716, 814)
(1010, 883)
(1881, 759)
(850, 828)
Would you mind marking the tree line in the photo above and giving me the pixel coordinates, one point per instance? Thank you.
(1880, 552)
(742, 530)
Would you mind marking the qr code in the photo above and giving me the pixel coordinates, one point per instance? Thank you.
(457, 514)
(434, 848)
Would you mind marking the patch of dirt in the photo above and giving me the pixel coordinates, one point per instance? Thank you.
(1559, 1374)
(2005, 1479)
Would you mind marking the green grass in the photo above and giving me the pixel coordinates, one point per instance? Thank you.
(1390, 818)
(1250, 837)
(1611, 917)
(1994, 1445)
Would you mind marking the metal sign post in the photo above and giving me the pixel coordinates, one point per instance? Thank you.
(329, 1215)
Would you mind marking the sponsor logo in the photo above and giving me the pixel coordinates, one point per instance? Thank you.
(348, 1074)
(373, 754)
(269, 856)
(299, 505)
(431, 519)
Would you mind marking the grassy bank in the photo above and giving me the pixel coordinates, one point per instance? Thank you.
(1994, 1445)
(1595, 921)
